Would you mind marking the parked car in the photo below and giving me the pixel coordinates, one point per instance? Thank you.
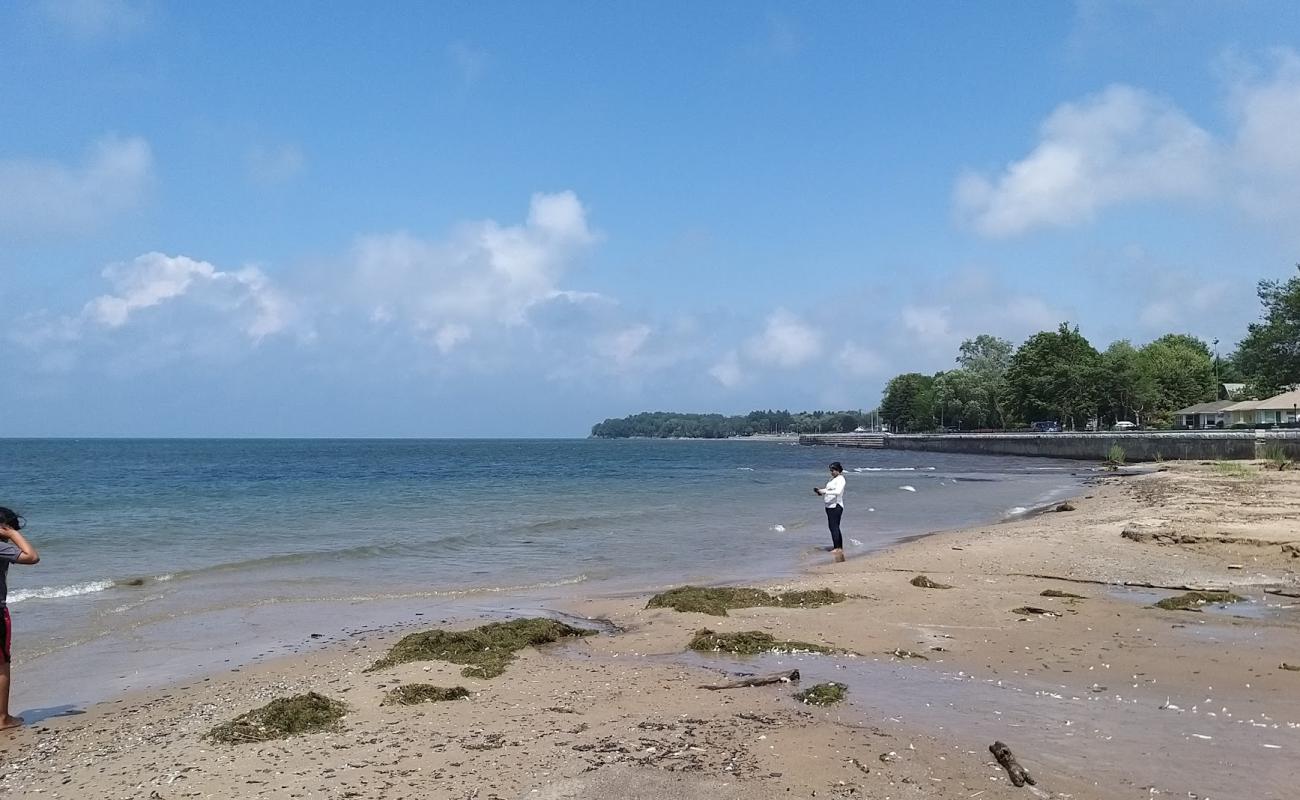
(1046, 426)
(1123, 425)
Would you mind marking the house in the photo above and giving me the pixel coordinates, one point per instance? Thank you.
(1232, 391)
(1203, 415)
(1276, 410)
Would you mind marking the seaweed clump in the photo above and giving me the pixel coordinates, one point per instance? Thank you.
(923, 582)
(280, 719)
(717, 600)
(412, 694)
(1192, 601)
(823, 694)
(1061, 594)
(750, 643)
(486, 650)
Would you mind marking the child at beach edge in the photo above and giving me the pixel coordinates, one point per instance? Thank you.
(14, 549)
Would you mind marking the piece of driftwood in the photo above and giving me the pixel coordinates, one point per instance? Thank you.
(790, 676)
(1284, 592)
(1018, 774)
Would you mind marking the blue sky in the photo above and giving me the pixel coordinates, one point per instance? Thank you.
(458, 219)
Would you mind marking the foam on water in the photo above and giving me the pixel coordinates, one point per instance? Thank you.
(56, 592)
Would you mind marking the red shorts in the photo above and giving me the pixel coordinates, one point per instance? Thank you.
(6, 635)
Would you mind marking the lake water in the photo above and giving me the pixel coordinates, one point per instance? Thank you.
(162, 559)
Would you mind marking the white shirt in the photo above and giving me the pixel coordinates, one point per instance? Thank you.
(833, 494)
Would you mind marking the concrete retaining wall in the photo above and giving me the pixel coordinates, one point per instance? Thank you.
(1138, 446)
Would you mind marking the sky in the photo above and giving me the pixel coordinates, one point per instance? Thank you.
(518, 219)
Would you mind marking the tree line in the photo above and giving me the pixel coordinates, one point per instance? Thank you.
(671, 424)
(1060, 376)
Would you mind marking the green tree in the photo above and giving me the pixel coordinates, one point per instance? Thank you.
(1127, 390)
(908, 404)
(1270, 353)
(986, 358)
(1181, 368)
(1055, 374)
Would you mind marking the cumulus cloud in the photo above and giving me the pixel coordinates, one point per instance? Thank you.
(859, 361)
(1126, 145)
(485, 275)
(1121, 145)
(785, 341)
(728, 370)
(39, 195)
(621, 347)
(1267, 112)
(154, 279)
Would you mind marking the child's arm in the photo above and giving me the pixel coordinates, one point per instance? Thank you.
(26, 553)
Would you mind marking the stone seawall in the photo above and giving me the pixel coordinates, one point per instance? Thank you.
(1137, 446)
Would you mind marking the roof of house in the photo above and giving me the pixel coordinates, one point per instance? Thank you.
(1286, 401)
(1207, 408)
(1233, 387)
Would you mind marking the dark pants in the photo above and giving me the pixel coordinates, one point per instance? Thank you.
(833, 514)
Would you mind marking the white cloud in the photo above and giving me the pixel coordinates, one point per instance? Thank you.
(97, 19)
(1264, 149)
(786, 341)
(623, 346)
(154, 279)
(45, 196)
(269, 166)
(484, 276)
(1121, 145)
(1179, 305)
(728, 371)
(859, 361)
(929, 323)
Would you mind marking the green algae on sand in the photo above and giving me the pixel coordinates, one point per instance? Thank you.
(486, 650)
(750, 643)
(411, 694)
(823, 694)
(1192, 601)
(716, 600)
(924, 582)
(1060, 594)
(280, 719)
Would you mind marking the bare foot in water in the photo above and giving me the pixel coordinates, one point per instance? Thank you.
(8, 722)
(839, 555)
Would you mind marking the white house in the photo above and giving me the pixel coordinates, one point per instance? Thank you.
(1275, 410)
(1203, 415)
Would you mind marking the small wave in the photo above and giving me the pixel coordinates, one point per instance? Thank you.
(55, 592)
(779, 528)
(894, 469)
(855, 543)
(745, 469)
(1016, 511)
(908, 488)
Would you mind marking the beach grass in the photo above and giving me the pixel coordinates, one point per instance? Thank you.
(1192, 601)
(823, 694)
(280, 719)
(412, 694)
(486, 650)
(1233, 469)
(716, 601)
(750, 643)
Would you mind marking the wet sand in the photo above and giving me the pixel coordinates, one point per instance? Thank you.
(1102, 697)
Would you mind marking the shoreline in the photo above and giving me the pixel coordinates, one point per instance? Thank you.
(612, 681)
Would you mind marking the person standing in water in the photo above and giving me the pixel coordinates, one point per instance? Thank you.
(14, 549)
(832, 494)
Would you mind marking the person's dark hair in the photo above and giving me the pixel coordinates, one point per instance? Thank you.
(9, 519)
(835, 465)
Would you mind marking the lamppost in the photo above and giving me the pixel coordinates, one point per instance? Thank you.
(1216, 366)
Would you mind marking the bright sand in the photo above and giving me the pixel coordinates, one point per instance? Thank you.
(1107, 697)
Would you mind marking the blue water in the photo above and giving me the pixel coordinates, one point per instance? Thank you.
(245, 542)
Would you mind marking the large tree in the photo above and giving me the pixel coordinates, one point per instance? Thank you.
(1181, 368)
(986, 359)
(1127, 390)
(1055, 374)
(908, 404)
(1270, 353)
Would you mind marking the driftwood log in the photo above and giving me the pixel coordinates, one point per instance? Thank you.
(1018, 774)
(789, 676)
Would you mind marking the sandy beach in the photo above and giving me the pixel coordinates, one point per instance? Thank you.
(1102, 696)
